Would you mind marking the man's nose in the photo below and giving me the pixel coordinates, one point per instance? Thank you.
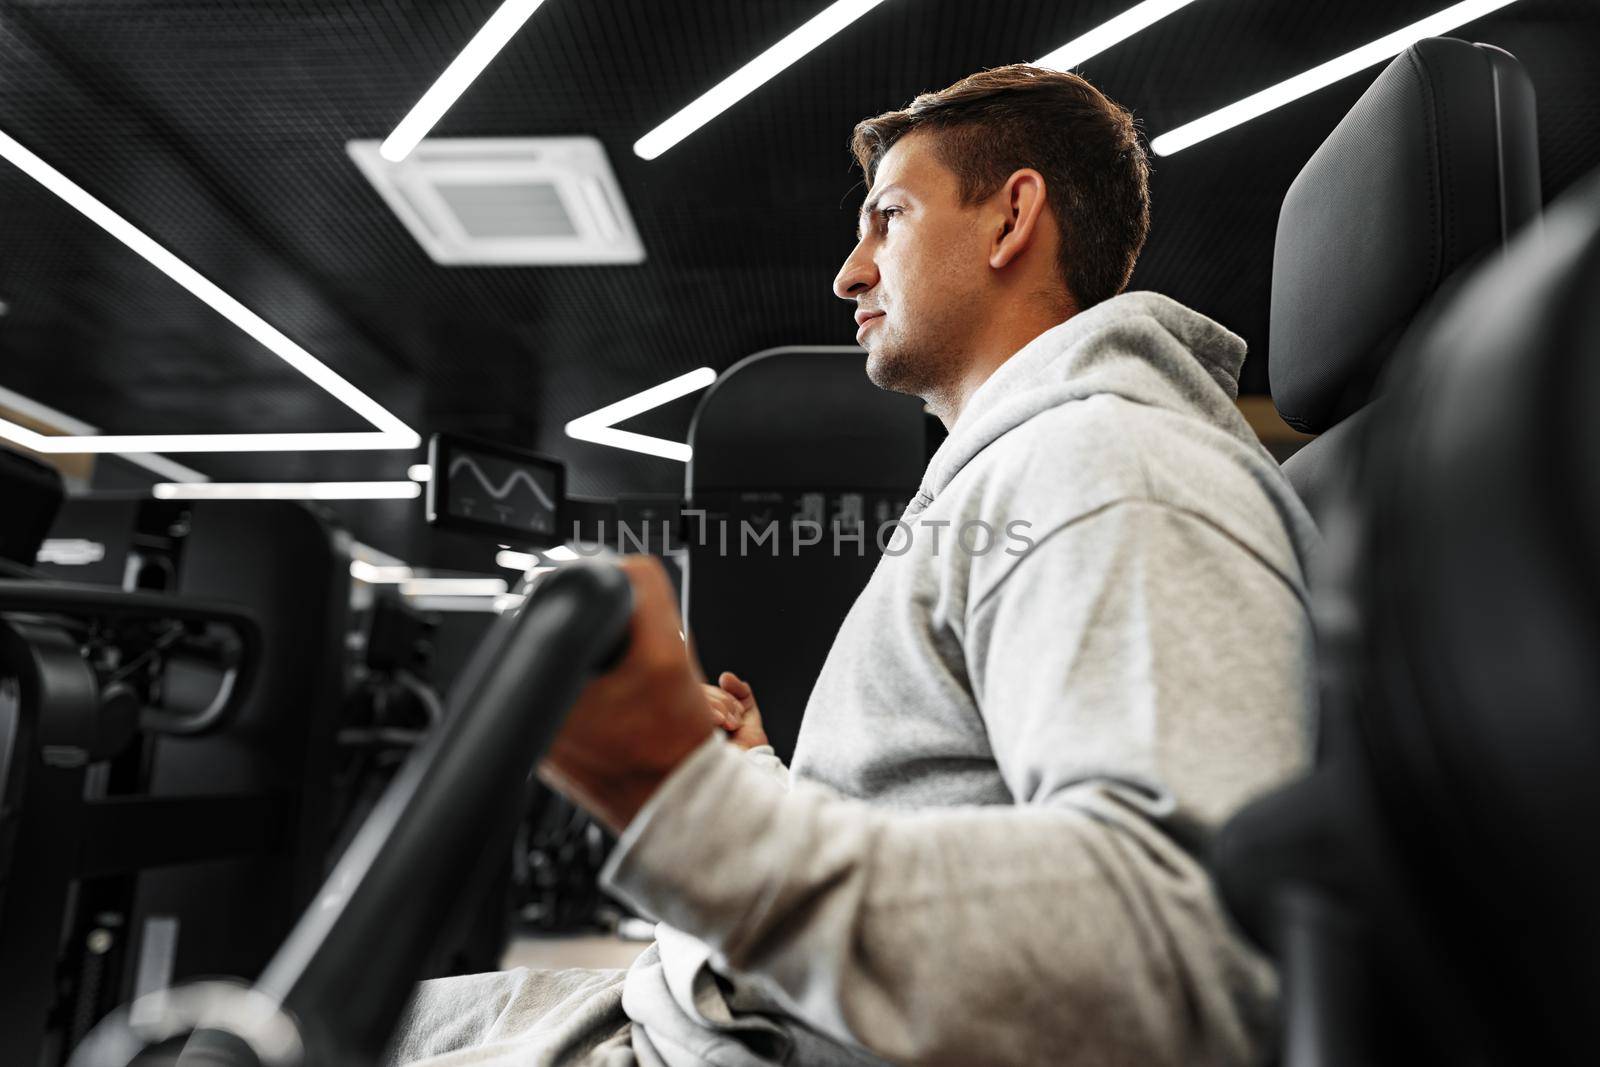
(858, 275)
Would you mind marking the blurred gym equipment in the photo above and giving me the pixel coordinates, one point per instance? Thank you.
(334, 991)
(784, 436)
(168, 762)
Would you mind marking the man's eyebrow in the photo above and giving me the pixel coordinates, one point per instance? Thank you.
(871, 206)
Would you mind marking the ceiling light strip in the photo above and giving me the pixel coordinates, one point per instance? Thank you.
(462, 72)
(496, 604)
(632, 442)
(208, 292)
(375, 557)
(653, 397)
(29, 438)
(1114, 31)
(218, 442)
(453, 587)
(512, 560)
(286, 490)
(754, 74)
(598, 427)
(1326, 74)
(376, 574)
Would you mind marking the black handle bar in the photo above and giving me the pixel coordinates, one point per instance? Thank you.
(347, 970)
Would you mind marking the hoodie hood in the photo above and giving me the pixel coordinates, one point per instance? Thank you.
(1143, 347)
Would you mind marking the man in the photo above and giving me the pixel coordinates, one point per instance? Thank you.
(985, 850)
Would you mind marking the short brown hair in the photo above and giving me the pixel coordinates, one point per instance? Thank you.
(995, 122)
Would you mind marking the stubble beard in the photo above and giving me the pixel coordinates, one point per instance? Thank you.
(921, 366)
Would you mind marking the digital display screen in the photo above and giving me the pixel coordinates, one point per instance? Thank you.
(507, 494)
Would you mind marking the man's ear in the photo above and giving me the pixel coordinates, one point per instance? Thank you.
(1022, 203)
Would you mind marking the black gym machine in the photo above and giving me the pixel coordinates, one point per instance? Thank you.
(336, 988)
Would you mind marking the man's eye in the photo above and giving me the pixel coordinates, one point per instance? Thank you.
(889, 213)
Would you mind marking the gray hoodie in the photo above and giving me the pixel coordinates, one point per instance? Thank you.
(985, 855)
(1086, 646)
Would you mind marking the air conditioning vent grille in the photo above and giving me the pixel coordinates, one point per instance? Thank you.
(506, 209)
(540, 201)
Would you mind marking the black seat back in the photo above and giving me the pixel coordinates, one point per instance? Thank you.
(1435, 165)
(791, 433)
(1433, 171)
(1429, 890)
(1473, 680)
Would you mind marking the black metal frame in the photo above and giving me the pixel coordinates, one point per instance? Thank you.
(343, 977)
(52, 833)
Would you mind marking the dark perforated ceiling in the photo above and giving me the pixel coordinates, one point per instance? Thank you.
(220, 128)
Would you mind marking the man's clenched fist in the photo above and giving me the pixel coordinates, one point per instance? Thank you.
(633, 725)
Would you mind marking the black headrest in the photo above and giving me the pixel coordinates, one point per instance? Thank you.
(30, 495)
(1437, 162)
(804, 417)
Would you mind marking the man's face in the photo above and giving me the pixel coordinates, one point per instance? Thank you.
(918, 272)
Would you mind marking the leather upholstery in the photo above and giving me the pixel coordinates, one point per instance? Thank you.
(1430, 886)
(1436, 164)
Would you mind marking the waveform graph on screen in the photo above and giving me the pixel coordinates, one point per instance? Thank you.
(492, 490)
(496, 490)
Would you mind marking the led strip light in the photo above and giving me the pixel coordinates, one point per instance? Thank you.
(599, 427)
(752, 76)
(462, 72)
(406, 490)
(391, 432)
(1318, 77)
(1114, 31)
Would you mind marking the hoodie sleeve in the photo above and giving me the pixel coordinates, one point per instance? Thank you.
(766, 758)
(1119, 706)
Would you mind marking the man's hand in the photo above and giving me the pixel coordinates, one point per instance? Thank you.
(733, 703)
(632, 726)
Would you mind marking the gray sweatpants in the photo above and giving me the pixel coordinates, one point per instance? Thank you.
(530, 1018)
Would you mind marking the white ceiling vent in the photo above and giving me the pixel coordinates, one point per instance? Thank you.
(507, 201)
